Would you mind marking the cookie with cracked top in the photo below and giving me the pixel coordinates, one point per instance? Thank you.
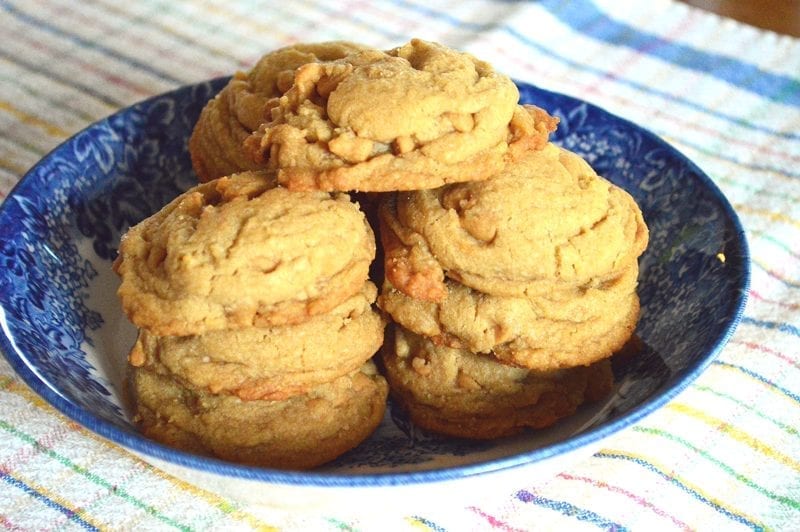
(561, 329)
(459, 393)
(300, 432)
(269, 362)
(418, 116)
(548, 222)
(239, 252)
(216, 143)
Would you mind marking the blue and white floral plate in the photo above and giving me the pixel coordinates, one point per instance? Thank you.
(65, 335)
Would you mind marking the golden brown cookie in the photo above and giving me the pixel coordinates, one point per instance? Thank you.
(270, 362)
(239, 108)
(544, 332)
(236, 252)
(546, 222)
(459, 393)
(418, 116)
(298, 433)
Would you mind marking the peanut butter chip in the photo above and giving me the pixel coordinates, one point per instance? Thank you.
(403, 144)
(420, 365)
(466, 382)
(462, 122)
(351, 148)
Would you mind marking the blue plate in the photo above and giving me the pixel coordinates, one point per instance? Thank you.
(65, 335)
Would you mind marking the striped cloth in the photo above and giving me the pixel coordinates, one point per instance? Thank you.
(723, 455)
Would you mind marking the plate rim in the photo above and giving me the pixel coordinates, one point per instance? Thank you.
(134, 441)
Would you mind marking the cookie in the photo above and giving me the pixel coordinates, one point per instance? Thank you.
(237, 111)
(547, 222)
(237, 252)
(298, 433)
(544, 332)
(269, 362)
(418, 116)
(459, 393)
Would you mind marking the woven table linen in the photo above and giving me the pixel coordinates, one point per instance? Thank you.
(723, 455)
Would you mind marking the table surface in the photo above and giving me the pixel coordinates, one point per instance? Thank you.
(781, 16)
(723, 455)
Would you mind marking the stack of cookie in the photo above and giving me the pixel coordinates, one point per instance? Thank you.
(510, 293)
(441, 118)
(510, 266)
(256, 323)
